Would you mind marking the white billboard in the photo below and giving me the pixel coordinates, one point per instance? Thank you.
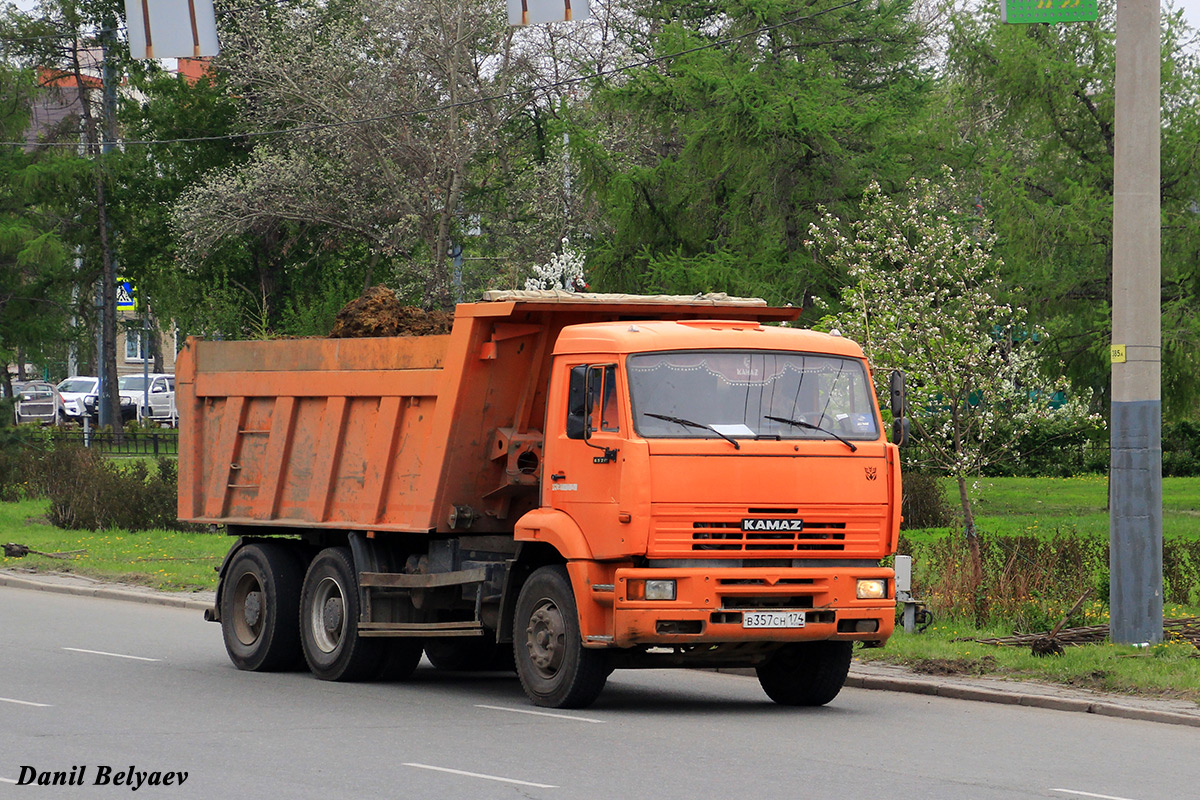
(536, 12)
(171, 28)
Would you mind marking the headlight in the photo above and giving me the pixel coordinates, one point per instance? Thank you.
(650, 590)
(871, 589)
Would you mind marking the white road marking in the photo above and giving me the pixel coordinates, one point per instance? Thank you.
(541, 713)
(1089, 794)
(484, 777)
(25, 703)
(113, 655)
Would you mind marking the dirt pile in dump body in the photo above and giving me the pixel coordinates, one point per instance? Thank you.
(379, 313)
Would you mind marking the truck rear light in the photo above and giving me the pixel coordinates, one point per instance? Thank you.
(650, 590)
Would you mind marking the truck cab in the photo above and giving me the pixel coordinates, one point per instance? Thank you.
(734, 484)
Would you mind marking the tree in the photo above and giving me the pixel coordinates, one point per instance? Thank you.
(389, 109)
(75, 40)
(710, 159)
(924, 298)
(1032, 107)
(36, 259)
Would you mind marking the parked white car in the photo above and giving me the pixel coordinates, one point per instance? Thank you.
(73, 391)
(161, 396)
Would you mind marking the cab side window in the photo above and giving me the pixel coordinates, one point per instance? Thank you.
(592, 400)
(608, 402)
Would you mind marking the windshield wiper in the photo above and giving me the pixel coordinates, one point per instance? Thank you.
(690, 424)
(799, 423)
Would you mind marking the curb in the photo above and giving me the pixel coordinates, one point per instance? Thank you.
(862, 676)
(1024, 695)
(75, 586)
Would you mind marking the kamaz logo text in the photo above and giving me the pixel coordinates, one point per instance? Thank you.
(772, 524)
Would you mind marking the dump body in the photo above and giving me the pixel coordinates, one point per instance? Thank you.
(383, 434)
(601, 481)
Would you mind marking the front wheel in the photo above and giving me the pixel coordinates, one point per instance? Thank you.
(329, 613)
(556, 670)
(806, 673)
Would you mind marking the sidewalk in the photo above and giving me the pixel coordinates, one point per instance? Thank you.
(885, 677)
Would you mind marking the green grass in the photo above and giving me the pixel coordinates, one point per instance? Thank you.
(1046, 508)
(1167, 670)
(1025, 506)
(161, 559)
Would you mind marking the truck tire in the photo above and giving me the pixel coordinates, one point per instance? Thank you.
(260, 607)
(556, 670)
(462, 654)
(329, 614)
(806, 673)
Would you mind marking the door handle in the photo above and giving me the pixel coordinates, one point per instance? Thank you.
(558, 476)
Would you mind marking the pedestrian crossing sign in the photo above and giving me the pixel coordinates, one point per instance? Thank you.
(126, 295)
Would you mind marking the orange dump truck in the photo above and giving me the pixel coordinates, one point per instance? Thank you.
(579, 483)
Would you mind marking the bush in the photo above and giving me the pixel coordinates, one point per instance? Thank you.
(923, 502)
(89, 492)
(1028, 584)
(23, 462)
(1181, 449)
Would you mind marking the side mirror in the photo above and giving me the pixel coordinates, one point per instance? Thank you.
(899, 405)
(896, 387)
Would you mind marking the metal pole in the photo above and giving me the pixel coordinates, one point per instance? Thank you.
(144, 347)
(1135, 532)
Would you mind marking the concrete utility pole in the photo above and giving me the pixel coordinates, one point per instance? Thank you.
(1135, 533)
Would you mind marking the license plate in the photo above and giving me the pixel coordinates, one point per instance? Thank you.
(773, 619)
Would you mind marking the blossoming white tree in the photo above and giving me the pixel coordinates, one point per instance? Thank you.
(925, 300)
(563, 271)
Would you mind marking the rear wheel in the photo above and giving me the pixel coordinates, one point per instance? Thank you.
(260, 607)
(556, 670)
(806, 673)
(329, 614)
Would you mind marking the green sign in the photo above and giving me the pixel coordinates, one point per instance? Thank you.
(1026, 11)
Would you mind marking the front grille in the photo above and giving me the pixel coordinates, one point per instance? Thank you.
(680, 531)
(730, 536)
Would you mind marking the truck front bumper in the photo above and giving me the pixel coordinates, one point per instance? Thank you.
(753, 604)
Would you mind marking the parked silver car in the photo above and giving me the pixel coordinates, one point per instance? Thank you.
(158, 388)
(39, 401)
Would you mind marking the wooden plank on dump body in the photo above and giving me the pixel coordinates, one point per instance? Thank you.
(325, 459)
(279, 449)
(226, 452)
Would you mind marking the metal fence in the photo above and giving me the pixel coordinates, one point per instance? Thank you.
(141, 443)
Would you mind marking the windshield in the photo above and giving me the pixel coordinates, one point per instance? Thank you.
(78, 385)
(131, 383)
(747, 394)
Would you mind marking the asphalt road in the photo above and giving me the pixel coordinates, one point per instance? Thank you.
(91, 683)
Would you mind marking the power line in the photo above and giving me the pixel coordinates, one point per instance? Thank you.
(542, 89)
